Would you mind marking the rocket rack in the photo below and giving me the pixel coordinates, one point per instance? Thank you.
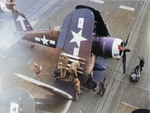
(72, 59)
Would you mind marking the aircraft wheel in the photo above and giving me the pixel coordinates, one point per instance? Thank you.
(32, 45)
(91, 83)
(56, 73)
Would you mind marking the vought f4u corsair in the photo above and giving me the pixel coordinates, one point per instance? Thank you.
(83, 37)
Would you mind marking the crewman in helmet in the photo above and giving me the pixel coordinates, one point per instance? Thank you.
(37, 70)
(73, 70)
(77, 90)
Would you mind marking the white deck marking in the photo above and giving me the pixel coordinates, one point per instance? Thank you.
(147, 89)
(10, 59)
(127, 8)
(30, 61)
(98, 1)
(2, 56)
(130, 105)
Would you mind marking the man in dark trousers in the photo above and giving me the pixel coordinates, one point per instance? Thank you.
(102, 86)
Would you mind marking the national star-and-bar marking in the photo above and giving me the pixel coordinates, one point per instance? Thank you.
(45, 41)
(77, 37)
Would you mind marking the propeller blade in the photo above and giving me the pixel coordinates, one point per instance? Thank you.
(127, 40)
(127, 50)
(124, 59)
(124, 62)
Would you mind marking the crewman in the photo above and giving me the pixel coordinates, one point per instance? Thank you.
(142, 63)
(63, 67)
(73, 70)
(37, 70)
(92, 63)
(77, 90)
(102, 86)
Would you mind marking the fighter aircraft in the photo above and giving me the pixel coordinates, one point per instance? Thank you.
(82, 36)
(6, 5)
(19, 100)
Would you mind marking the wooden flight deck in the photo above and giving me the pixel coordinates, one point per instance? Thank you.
(124, 18)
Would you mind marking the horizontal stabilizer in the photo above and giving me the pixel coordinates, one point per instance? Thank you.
(56, 90)
(34, 22)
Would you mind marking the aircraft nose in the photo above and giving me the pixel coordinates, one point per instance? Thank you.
(116, 52)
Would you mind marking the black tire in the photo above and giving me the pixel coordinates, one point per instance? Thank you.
(56, 73)
(91, 83)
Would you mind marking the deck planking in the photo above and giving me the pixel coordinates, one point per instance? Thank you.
(119, 90)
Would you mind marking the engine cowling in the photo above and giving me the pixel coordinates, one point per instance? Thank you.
(107, 47)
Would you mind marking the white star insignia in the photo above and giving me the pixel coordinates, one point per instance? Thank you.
(44, 40)
(77, 37)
